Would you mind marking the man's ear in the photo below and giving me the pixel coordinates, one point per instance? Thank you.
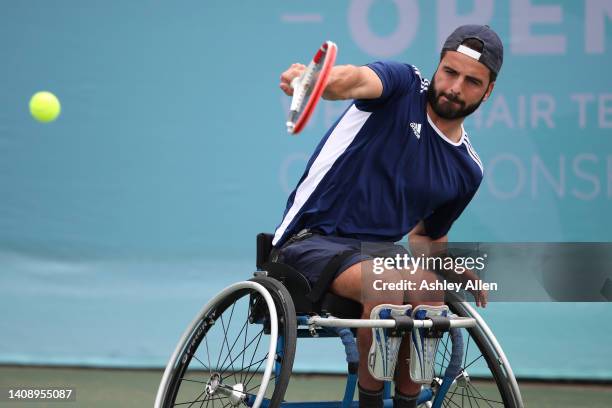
(489, 90)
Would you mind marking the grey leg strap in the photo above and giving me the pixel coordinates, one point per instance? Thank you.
(370, 399)
(404, 401)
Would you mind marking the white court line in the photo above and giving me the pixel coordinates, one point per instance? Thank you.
(301, 18)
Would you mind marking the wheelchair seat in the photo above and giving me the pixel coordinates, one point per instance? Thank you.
(299, 287)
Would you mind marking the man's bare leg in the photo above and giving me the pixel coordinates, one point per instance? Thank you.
(403, 383)
(350, 285)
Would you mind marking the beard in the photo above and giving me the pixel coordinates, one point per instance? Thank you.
(445, 108)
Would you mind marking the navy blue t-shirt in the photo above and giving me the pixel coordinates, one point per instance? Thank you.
(383, 167)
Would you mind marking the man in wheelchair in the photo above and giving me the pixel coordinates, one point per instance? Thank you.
(397, 162)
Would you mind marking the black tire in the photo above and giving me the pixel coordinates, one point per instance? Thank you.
(234, 377)
(288, 330)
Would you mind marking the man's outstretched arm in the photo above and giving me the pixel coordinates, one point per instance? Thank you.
(345, 82)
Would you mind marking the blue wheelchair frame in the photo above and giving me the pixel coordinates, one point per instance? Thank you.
(352, 357)
(322, 324)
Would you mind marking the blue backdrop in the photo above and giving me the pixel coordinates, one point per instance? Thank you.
(121, 218)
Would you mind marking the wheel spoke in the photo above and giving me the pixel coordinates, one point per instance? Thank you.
(473, 361)
(253, 356)
(482, 397)
(450, 401)
(468, 397)
(200, 361)
(453, 393)
(189, 402)
(206, 400)
(255, 386)
(192, 402)
(446, 352)
(197, 399)
(221, 351)
(225, 342)
(255, 371)
(467, 349)
(246, 335)
(231, 363)
(472, 395)
(256, 362)
(244, 350)
(445, 355)
(195, 381)
(208, 354)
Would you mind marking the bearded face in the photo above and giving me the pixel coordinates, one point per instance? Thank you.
(458, 87)
(448, 105)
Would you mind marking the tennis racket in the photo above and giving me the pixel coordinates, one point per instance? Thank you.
(308, 88)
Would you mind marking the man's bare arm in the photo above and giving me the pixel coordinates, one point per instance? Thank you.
(421, 243)
(351, 82)
(345, 82)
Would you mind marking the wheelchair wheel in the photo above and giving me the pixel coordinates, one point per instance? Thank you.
(238, 351)
(287, 335)
(485, 377)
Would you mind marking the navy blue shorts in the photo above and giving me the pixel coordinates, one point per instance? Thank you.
(310, 256)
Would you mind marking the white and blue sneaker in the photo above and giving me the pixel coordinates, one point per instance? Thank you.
(385, 348)
(423, 349)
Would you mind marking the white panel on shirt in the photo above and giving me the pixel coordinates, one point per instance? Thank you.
(338, 141)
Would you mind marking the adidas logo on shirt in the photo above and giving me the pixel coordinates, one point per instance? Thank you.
(416, 129)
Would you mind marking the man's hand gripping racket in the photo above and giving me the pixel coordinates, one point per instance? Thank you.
(306, 84)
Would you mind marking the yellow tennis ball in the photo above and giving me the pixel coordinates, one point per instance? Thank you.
(45, 107)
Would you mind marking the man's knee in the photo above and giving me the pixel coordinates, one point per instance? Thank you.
(360, 284)
(426, 290)
(382, 288)
(348, 283)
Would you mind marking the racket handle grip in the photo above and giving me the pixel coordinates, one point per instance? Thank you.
(295, 82)
(293, 116)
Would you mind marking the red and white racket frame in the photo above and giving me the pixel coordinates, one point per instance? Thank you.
(325, 59)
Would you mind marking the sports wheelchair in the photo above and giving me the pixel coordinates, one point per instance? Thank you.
(240, 348)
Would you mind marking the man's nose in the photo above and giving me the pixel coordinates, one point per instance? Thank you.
(455, 88)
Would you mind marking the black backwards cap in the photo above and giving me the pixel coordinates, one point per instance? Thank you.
(492, 55)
